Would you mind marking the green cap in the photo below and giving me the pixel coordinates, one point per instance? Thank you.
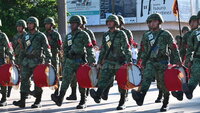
(34, 20)
(113, 18)
(121, 19)
(84, 19)
(155, 16)
(21, 23)
(76, 19)
(49, 20)
(193, 17)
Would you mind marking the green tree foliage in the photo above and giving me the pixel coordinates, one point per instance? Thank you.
(13, 10)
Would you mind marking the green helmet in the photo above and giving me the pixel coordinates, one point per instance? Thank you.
(76, 19)
(34, 20)
(156, 16)
(0, 23)
(193, 17)
(148, 20)
(113, 18)
(185, 28)
(21, 23)
(49, 20)
(84, 19)
(121, 19)
(198, 15)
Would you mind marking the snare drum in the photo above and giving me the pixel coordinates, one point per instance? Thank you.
(9, 75)
(87, 76)
(174, 77)
(44, 76)
(129, 77)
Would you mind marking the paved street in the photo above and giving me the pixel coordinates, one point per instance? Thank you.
(185, 106)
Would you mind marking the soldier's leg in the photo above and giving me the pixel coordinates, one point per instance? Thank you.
(160, 94)
(38, 96)
(107, 77)
(3, 98)
(193, 82)
(56, 66)
(82, 103)
(122, 100)
(73, 86)
(68, 74)
(149, 73)
(9, 91)
(25, 86)
(105, 93)
(163, 89)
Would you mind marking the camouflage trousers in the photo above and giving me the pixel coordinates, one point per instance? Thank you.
(195, 74)
(154, 69)
(26, 73)
(69, 73)
(3, 88)
(107, 75)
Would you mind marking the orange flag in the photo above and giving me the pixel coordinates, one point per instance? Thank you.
(175, 8)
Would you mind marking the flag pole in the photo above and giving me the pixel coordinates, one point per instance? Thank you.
(179, 21)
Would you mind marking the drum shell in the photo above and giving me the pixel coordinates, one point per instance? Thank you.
(87, 76)
(45, 76)
(123, 80)
(9, 75)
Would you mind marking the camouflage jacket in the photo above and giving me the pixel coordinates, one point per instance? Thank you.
(36, 46)
(92, 37)
(164, 47)
(129, 35)
(121, 49)
(5, 47)
(78, 45)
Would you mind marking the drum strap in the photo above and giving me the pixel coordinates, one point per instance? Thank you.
(111, 46)
(155, 43)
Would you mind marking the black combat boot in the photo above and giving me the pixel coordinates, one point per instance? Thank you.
(178, 95)
(122, 100)
(9, 91)
(105, 93)
(21, 102)
(87, 91)
(164, 107)
(138, 97)
(37, 101)
(58, 99)
(3, 100)
(82, 103)
(73, 94)
(188, 91)
(158, 100)
(96, 95)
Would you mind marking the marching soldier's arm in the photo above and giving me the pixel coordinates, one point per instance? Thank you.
(141, 50)
(59, 41)
(93, 39)
(174, 49)
(126, 47)
(144, 50)
(47, 49)
(102, 51)
(8, 47)
(130, 37)
(190, 49)
(89, 49)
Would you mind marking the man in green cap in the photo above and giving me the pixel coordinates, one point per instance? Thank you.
(94, 43)
(55, 41)
(36, 50)
(5, 49)
(155, 57)
(193, 61)
(78, 49)
(114, 53)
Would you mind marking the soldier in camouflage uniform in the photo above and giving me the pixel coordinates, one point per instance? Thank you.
(36, 51)
(120, 53)
(156, 61)
(5, 49)
(94, 43)
(78, 49)
(193, 61)
(55, 42)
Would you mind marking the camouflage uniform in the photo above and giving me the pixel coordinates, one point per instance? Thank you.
(5, 49)
(193, 61)
(36, 51)
(119, 54)
(78, 49)
(157, 62)
(17, 42)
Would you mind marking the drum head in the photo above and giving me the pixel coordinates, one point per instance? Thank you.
(135, 75)
(14, 75)
(51, 75)
(93, 76)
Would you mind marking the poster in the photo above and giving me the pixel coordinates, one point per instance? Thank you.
(126, 8)
(88, 8)
(185, 10)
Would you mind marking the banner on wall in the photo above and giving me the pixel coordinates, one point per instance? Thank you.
(88, 8)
